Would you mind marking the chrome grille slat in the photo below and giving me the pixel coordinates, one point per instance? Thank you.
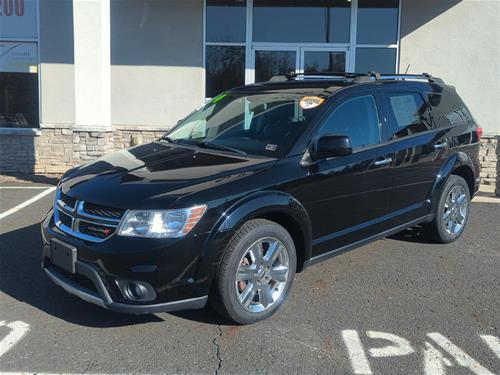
(78, 222)
(103, 211)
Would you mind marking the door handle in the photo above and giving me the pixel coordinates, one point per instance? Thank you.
(383, 162)
(440, 145)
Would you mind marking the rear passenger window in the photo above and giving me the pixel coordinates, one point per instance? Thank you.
(411, 114)
(356, 118)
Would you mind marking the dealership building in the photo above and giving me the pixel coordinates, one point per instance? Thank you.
(80, 78)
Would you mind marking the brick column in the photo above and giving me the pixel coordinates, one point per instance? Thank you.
(489, 156)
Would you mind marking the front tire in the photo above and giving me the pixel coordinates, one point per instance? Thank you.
(452, 212)
(256, 272)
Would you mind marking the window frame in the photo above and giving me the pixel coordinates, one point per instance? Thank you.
(251, 47)
(392, 123)
(32, 130)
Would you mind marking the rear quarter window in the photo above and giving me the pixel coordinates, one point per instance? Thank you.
(448, 109)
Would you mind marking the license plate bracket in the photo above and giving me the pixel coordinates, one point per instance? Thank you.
(63, 255)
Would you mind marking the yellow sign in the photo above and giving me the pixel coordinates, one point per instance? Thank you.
(309, 102)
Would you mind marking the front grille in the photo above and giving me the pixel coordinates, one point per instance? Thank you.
(65, 219)
(96, 230)
(86, 220)
(109, 212)
(67, 200)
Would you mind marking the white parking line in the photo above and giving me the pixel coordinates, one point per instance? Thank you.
(46, 373)
(24, 187)
(27, 203)
(18, 331)
(493, 342)
(462, 358)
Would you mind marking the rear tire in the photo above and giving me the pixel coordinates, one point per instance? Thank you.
(256, 272)
(452, 211)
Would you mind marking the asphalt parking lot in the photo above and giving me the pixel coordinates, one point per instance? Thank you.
(397, 306)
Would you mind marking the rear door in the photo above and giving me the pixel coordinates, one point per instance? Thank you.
(419, 151)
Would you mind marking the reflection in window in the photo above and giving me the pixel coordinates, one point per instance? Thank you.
(273, 63)
(381, 60)
(356, 118)
(226, 21)
(319, 21)
(225, 68)
(265, 124)
(18, 100)
(410, 113)
(377, 21)
(324, 62)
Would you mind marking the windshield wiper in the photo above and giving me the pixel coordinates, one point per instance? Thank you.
(218, 146)
(168, 139)
(179, 141)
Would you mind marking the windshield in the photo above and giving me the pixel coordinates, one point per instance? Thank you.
(263, 124)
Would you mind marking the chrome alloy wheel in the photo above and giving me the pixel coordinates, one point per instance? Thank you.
(262, 274)
(455, 210)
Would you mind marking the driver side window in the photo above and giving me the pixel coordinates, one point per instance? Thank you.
(356, 118)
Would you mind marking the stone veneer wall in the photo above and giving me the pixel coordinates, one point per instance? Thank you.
(489, 155)
(53, 150)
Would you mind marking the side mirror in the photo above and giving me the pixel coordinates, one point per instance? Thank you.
(330, 145)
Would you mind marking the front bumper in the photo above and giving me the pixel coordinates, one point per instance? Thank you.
(179, 271)
(102, 298)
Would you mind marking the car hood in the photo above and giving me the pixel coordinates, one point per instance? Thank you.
(154, 175)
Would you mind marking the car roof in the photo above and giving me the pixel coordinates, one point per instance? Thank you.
(299, 87)
(325, 85)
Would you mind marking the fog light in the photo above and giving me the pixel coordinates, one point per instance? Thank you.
(138, 291)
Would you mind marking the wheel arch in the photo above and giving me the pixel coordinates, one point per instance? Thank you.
(458, 164)
(275, 206)
(467, 174)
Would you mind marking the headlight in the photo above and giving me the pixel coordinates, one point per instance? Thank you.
(161, 224)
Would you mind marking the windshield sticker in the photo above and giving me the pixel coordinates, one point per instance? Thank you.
(271, 147)
(219, 98)
(309, 102)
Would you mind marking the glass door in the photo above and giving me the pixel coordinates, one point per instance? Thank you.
(323, 60)
(275, 61)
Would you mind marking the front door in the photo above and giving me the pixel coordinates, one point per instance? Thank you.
(277, 60)
(348, 197)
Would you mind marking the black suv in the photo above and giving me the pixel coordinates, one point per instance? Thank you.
(260, 183)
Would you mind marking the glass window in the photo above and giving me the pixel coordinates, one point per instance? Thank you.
(377, 21)
(273, 63)
(225, 68)
(410, 112)
(18, 100)
(19, 19)
(318, 21)
(265, 124)
(324, 61)
(382, 60)
(18, 85)
(226, 21)
(356, 118)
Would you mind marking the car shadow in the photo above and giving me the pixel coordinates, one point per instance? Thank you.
(22, 278)
(414, 235)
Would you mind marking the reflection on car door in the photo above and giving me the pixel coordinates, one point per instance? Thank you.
(347, 197)
(419, 152)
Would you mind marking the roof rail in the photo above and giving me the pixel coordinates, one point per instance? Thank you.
(355, 77)
(319, 75)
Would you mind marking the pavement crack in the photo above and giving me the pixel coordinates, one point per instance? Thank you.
(217, 349)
